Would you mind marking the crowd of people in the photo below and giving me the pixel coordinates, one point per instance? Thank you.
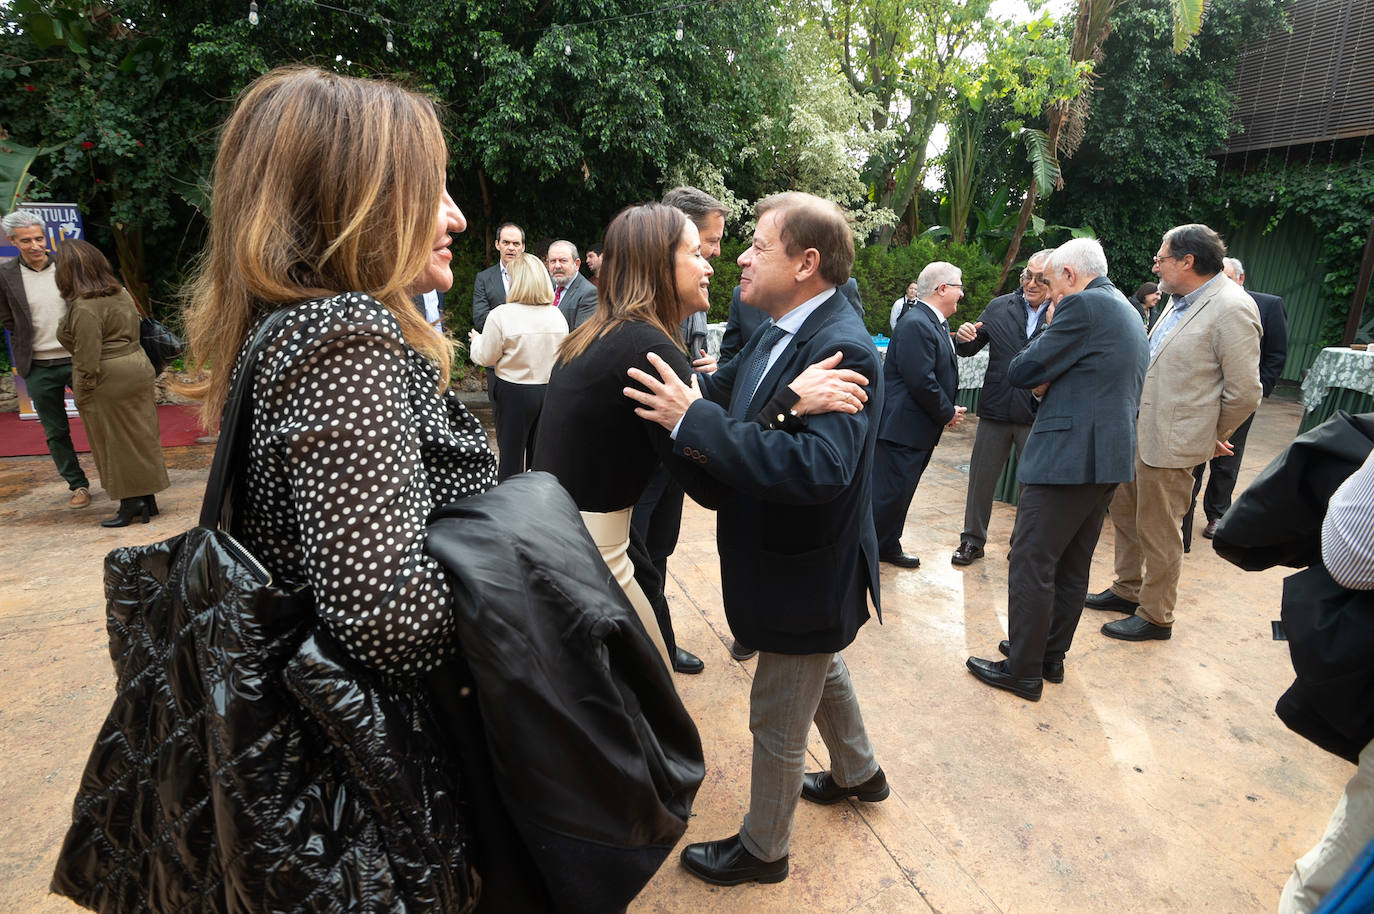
(807, 443)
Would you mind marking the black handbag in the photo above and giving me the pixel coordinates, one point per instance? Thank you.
(160, 344)
(246, 765)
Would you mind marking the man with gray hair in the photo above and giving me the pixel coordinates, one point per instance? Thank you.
(1202, 383)
(1005, 413)
(920, 381)
(1089, 366)
(573, 295)
(30, 309)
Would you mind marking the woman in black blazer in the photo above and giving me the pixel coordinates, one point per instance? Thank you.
(652, 277)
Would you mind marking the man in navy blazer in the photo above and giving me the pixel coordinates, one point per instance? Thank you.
(920, 380)
(798, 556)
(489, 288)
(1221, 482)
(1093, 357)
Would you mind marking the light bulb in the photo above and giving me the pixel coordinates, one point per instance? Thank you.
(567, 48)
(390, 48)
(679, 30)
(253, 13)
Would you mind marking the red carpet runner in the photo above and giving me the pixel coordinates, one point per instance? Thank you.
(24, 437)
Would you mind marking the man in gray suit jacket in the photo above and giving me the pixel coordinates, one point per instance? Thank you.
(572, 294)
(489, 289)
(1092, 356)
(1202, 383)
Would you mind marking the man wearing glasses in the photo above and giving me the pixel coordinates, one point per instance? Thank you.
(1005, 413)
(920, 381)
(1202, 383)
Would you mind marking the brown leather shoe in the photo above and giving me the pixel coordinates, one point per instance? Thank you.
(741, 652)
(1210, 530)
(81, 498)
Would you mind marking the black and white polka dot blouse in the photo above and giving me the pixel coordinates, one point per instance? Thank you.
(351, 448)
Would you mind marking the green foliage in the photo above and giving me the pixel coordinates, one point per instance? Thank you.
(911, 58)
(1145, 163)
(1337, 201)
(883, 274)
(550, 124)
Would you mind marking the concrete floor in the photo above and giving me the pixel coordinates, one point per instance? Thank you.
(1156, 778)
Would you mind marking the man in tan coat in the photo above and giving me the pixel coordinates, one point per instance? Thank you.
(1202, 383)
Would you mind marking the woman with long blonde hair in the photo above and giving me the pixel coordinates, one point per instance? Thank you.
(329, 202)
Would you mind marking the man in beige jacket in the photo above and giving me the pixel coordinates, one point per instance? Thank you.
(1202, 383)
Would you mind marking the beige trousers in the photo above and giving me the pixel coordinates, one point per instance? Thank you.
(611, 533)
(1350, 829)
(1148, 517)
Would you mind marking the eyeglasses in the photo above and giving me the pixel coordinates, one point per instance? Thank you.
(1158, 258)
(1040, 279)
(955, 284)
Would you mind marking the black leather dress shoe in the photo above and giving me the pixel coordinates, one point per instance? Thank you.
(967, 554)
(740, 652)
(994, 673)
(1109, 601)
(728, 863)
(1053, 670)
(1210, 530)
(687, 662)
(1137, 628)
(820, 787)
(901, 560)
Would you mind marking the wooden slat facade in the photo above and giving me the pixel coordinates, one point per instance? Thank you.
(1312, 84)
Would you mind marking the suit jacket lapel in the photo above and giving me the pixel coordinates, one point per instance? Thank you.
(1187, 316)
(782, 368)
(947, 351)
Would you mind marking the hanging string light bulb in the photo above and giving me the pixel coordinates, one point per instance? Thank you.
(679, 30)
(253, 12)
(390, 46)
(567, 45)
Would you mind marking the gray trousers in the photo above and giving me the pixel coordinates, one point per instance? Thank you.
(991, 447)
(789, 692)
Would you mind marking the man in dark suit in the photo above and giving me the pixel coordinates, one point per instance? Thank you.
(920, 380)
(798, 556)
(1005, 413)
(30, 309)
(1273, 354)
(1093, 357)
(573, 295)
(491, 285)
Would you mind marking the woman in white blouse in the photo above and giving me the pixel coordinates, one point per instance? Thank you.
(519, 342)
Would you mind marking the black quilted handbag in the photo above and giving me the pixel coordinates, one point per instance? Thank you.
(246, 764)
(160, 344)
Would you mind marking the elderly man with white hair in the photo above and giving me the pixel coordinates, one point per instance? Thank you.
(1088, 366)
(30, 309)
(920, 381)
